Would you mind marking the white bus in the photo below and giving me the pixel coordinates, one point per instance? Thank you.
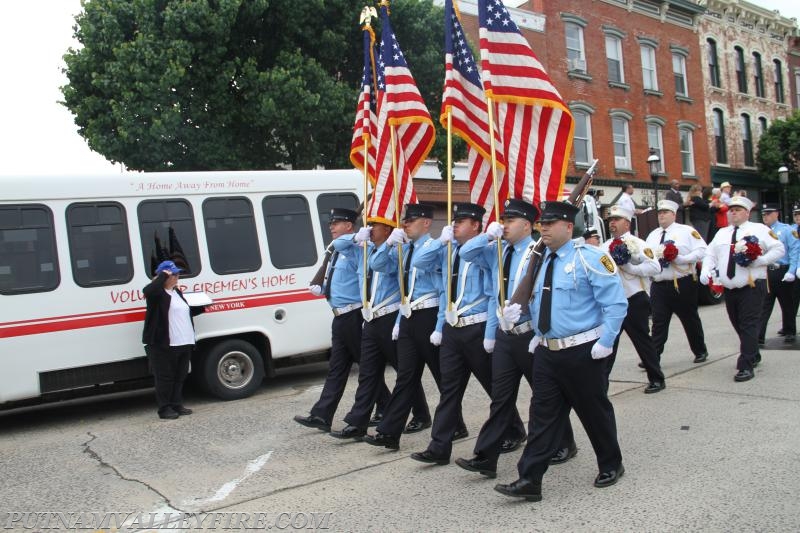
(75, 253)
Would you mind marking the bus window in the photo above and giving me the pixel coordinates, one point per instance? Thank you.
(290, 236)
(329, 200)
(28, 256)
(231, 235)
(167, 231)
(99, 244)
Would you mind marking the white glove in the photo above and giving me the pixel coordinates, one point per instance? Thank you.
(535, 341)
(512, 312)
(788, 277)
(494, 230)
(797, 274)
(395, 332)
(316, 290)
(637, 259)
(398, 236)
(447, 234)
(436, 338)
(488, 345)
(363, 235)
(599, 351)
(705, 278)
(758, 261)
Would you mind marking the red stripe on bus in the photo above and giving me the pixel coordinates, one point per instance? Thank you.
(74, 322)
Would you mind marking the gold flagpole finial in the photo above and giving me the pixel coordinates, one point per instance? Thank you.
(383, 3)
(367, 14)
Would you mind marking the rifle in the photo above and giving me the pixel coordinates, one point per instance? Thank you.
(524, 292)
(319, 277)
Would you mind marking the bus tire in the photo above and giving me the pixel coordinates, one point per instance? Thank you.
(232, 369)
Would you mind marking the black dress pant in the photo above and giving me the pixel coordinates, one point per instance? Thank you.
(784, 293)
(169, 366)
(414, 351)
(666, 300)
(462, 354)
(566, 379)
(378, 349)
(345, 350)
(744, 311)
(637, 326)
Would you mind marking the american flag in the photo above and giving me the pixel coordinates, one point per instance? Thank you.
(464, 96)
(535, 125)
(365, 128)
(399, 104)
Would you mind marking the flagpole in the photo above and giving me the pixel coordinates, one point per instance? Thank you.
(500, 275)
(397, 217)
(366, 19)
(449, 206)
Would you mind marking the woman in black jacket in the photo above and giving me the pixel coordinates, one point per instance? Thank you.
(168, 338)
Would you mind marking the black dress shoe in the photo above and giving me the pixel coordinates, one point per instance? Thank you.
(509, 445)
(654, 387)
(744, 375)
(641, 365)
(606, 479)
(479, 464)
(375, 420)
(428, 457)
(382, 439)
(521, 488)
(701, 358)
(168, 413)
(349, 432)
(564, 454)
(183, 411)
(417, 425)
(461, 433)
(312, 421)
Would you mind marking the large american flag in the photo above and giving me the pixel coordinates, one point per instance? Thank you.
(399, 104)
(535, 125)
(465, 98)
(365, 128)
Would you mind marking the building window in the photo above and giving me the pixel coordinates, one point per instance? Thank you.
(582, 141)
(576, 55)
(747, 141)
(762, 126)
(290, 237)
(99, 244)
(758, 75)
(741, 74)
(622, 145)
(687, 151)
(167, 231)
(231, 235)
(713, 63)
(679, 71)
(28, 255)
(656, 142)
(616, 72)
(326, 202)
(649, 74)
(778, 81)
(719, 137)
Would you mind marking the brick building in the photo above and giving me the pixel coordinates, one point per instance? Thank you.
(794, 71)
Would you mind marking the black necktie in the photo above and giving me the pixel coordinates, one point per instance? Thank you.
(454, 276)
(407, 268)
(663, 234)
(547, 296)
(506, 273)
(731, 271)
(328, 281)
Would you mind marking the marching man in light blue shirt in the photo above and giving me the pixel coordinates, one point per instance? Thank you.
(780, 276)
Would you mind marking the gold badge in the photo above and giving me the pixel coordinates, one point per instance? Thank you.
(608, 263)
(695, 234)
(772, 234)
(796, 236)
(649, 253)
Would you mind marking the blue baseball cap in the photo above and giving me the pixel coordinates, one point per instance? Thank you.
(169, 266)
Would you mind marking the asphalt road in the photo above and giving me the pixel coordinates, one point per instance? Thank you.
(706, 454)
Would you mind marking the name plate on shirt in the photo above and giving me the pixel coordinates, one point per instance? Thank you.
(197, 299)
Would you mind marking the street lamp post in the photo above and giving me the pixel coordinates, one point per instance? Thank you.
(652, 161)
(783, 179)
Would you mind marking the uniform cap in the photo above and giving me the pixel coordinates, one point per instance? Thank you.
(668, 205)
(515, 208)
(796, 208)
(467, 210)
(169, 266)
(741, 201)
(418, 211)
(725, 184)
(552, 211)
(617, 211)
(340, 213)
(769, 207)
(588, 234)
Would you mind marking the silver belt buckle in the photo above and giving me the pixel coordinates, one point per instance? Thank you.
(552, 345)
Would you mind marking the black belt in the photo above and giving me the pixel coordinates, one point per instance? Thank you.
(778, 267)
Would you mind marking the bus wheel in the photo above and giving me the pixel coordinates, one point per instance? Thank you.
(232, 369)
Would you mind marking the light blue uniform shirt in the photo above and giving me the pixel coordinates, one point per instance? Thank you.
(477, 286)
(792, 245)
(585, 294)
(385, 285)
(482, 252)
(344, 277)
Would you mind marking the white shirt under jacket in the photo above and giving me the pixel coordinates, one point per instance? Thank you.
(718, 253)
(636, 277)
(691, 249)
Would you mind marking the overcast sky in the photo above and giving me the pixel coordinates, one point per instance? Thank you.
(37, 135)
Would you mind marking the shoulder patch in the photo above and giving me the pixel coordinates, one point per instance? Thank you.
(427, 243)
(796, 236)
(772, 234)
(608, 263)
(649, 253)
(695, 234)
